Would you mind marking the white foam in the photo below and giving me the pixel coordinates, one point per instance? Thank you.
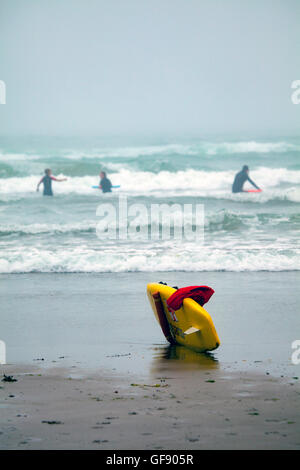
(166, 257)
(293, 194)
(215, 184)
(250, 147)
(40, 228)
(12, 157)
(133, 152)
(199, 148)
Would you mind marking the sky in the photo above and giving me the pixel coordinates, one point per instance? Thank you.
(97, 67)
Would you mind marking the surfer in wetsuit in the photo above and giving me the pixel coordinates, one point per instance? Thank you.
(240, 179)
(105, 183)
(47, 182)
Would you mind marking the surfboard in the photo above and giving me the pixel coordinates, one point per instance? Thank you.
(190, 326)
(115, 186)
(253, 191)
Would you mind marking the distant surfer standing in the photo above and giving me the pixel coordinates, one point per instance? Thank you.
(47, 182)
(240, 179)
(105, 183)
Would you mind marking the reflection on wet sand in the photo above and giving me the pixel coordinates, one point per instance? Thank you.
(175, 358)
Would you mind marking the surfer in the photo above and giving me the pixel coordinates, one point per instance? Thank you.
(105, 183)
(47, 182)
(240, 179)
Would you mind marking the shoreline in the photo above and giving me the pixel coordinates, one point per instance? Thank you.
(105, 320)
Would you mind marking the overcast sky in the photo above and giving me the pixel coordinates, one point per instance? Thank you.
(149, 66)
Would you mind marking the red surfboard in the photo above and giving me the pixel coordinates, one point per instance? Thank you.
(253, 191)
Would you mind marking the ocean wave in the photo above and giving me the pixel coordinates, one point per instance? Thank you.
(250, 147)
(113, 259)
(48, 228)
(170, 157)
(9, 157)
(136, 151)
(200, 149)
(221, 220)
(210, 184)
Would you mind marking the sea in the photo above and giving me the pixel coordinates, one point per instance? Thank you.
(241, 232)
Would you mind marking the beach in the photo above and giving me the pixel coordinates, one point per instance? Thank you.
(94, 371)
(58, 409)
(149, 142)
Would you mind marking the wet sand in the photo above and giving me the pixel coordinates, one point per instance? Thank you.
(94, 371)
(104, 320)
(60, 408)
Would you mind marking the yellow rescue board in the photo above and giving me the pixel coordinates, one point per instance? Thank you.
(190, 326)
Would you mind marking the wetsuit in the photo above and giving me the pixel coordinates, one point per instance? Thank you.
(239, 181)
(47, 182)
(105, 185)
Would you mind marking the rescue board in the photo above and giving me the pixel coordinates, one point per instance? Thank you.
(190, 326)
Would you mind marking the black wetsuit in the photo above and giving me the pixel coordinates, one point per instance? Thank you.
(105, 185)
(239, 181)
(47, 182)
